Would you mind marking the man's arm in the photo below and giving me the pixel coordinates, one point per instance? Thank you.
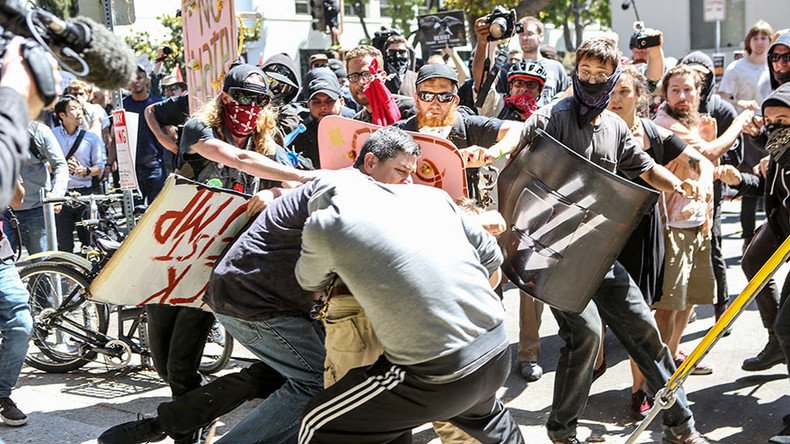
(314, 269)
(655, 61)
(250, 162)
(662, 179)
(57, 161)
(168, 142)
(481, 50)
(507, 139)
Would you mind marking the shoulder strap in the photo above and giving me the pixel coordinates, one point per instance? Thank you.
(655, 140)
(33, 145)
(76, 144)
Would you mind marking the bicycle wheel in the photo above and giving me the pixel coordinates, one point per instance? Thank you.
(218, 350)
(64, 320)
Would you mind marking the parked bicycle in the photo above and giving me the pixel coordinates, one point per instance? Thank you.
(70, 330)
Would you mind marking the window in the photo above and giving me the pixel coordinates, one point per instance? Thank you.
(302, 6)
(703, 34)
(384, 7)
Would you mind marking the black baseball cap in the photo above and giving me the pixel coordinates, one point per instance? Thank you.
(437, 71)
(324, 81)
(236, 78)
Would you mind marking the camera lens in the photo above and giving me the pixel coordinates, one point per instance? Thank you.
(498, 27)
(167, 50)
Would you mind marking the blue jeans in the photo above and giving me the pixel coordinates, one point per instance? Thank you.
(31, 230)
(291, 346)
(16, 326)
(621, 305)
(151, 181)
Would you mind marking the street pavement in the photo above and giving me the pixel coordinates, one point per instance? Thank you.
(730, 405)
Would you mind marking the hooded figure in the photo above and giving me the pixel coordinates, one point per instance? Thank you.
(783, 39)
(714, 105)
(280, 68)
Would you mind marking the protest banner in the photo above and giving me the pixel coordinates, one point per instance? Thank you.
(168, 257)
(443, 29)
(210, 46)
(440, 164)
(125, 126)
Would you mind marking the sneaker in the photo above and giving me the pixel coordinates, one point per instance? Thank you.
(640, 404)
(134, 432)
(694, 437)
(531, 370)
(700, 369)
(10, 413)
(783, 437)
(770, 356)
(568, 440)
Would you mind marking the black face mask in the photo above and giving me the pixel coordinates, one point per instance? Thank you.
(782, 77)
(778, 145)
(396, 63)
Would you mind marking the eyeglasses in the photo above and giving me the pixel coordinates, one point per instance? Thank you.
(394, 52)
(445, 97)
(777, 57)
(279, 88)
(247, 98)
(529, 84)
(585, 76)
(363, 75)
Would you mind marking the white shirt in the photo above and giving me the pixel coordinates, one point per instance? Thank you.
(744, 80)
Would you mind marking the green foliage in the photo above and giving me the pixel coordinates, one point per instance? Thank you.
(403, 14)
(573, 16)
(61, 8)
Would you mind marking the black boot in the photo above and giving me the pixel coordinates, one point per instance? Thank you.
(134, 432)
(771, 355)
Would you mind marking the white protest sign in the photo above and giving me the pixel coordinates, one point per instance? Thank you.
(169, 255)
(714, 10)
(125, 129)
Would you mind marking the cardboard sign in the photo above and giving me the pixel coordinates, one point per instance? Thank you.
(210, 46)
(169, 255)
(443, 29)
(440, 165)
(125, 128)
(714, 10)
(718, 65)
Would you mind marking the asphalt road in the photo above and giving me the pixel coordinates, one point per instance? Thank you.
(730, 406)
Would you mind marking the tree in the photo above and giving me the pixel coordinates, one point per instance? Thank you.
(576, 14)
(403, 13)
(61, 8)
(475, 9)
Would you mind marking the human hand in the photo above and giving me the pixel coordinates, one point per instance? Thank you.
(692, 189)
(753, 126)
(492, 222)
(762, 166)
(743, 118)
(748, 104)
(473, 156)
(74, 167)
(482, 31)
(260, 200)
(707, 128)
(728, 174)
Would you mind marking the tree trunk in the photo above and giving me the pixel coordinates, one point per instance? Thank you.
(566, 35)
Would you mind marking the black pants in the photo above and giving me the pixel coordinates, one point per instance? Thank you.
(198, 407)
(749, 215)
(384, 401)
(762, 246)
(717, 255)
(65, 222)
(177, 336)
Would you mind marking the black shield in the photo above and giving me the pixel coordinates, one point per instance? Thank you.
(567, 220)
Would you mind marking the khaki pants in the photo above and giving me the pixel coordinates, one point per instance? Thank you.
(530, 312)
(351, 343)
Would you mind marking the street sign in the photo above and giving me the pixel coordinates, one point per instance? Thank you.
(714, 10)
(125, 129)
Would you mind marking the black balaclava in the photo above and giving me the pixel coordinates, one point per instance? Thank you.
(783, 39)
(778, 145)
(286, 61)
(593, 98)
(709, 79)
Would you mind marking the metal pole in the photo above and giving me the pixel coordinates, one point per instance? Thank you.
(718, 35)
(49, 223)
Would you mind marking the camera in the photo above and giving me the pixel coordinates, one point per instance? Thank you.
(379, 39)
(502, 24)
(644, 38)
(166, 50)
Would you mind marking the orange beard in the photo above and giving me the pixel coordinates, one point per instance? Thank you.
(435, 121)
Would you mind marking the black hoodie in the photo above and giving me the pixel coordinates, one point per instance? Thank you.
(716, 107)
(776, 184)
(288, 114)
(783, 39)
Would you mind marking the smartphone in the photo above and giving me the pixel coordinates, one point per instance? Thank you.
(648, 41)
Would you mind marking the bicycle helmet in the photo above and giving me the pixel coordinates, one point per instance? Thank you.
(527, 70)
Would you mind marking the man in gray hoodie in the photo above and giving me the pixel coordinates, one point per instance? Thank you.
(420, 269)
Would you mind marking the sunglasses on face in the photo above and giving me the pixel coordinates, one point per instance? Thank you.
(777, 57)
(247, 98)
(445, 97)
(529, 84)
(395, 52)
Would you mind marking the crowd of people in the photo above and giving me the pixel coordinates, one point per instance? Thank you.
(358, 310)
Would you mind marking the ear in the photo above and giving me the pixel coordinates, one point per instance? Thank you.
(369, 162)
(456, 100)
(224, 98)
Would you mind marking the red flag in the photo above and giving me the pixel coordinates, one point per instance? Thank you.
(177, 73)
(382, 105)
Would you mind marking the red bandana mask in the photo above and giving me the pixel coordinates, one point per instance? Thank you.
(523, 104)
(240, 120)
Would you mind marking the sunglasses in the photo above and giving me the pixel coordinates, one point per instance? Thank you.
(445, 97)
(777, 57)
(247, 98)
(279, 88)
(529, 84)
(394, 52)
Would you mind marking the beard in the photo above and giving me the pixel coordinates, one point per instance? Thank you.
(436, 121)
(689, 118)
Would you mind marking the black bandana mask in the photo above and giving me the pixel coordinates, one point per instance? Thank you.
(778, 144)
(593, 98)
(396, 63)
(782, 77)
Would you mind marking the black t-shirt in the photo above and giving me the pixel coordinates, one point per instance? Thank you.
(173, 111)
(467, 130)
(149, 151)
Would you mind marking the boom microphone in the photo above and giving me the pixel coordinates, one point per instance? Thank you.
(80, 45)
(626, 4)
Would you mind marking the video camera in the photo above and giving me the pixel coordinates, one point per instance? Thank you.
(380, 38)
(502, 24)
(80, 46)
(644, 38)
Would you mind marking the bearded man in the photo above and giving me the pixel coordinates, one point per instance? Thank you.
(482, 139)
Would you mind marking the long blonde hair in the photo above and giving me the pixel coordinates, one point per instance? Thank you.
(265, 125)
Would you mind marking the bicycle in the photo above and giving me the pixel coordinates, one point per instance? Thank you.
(70, 330)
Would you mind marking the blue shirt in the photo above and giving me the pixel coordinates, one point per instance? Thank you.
(149, 150)
(89, 153)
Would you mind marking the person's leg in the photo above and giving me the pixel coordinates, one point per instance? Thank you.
(717, 254)
(33, 230)
(665, 321)
(64, 224)
(677, 272)
(187, 340)
(530, 313)
(160, 319)
(16, 326)
(762, 246)
(350, 340)
(582, 335)
(748, 217)
(384, 400)
(626, 313)
(680, 322)
(8, 230)
(290, 346)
